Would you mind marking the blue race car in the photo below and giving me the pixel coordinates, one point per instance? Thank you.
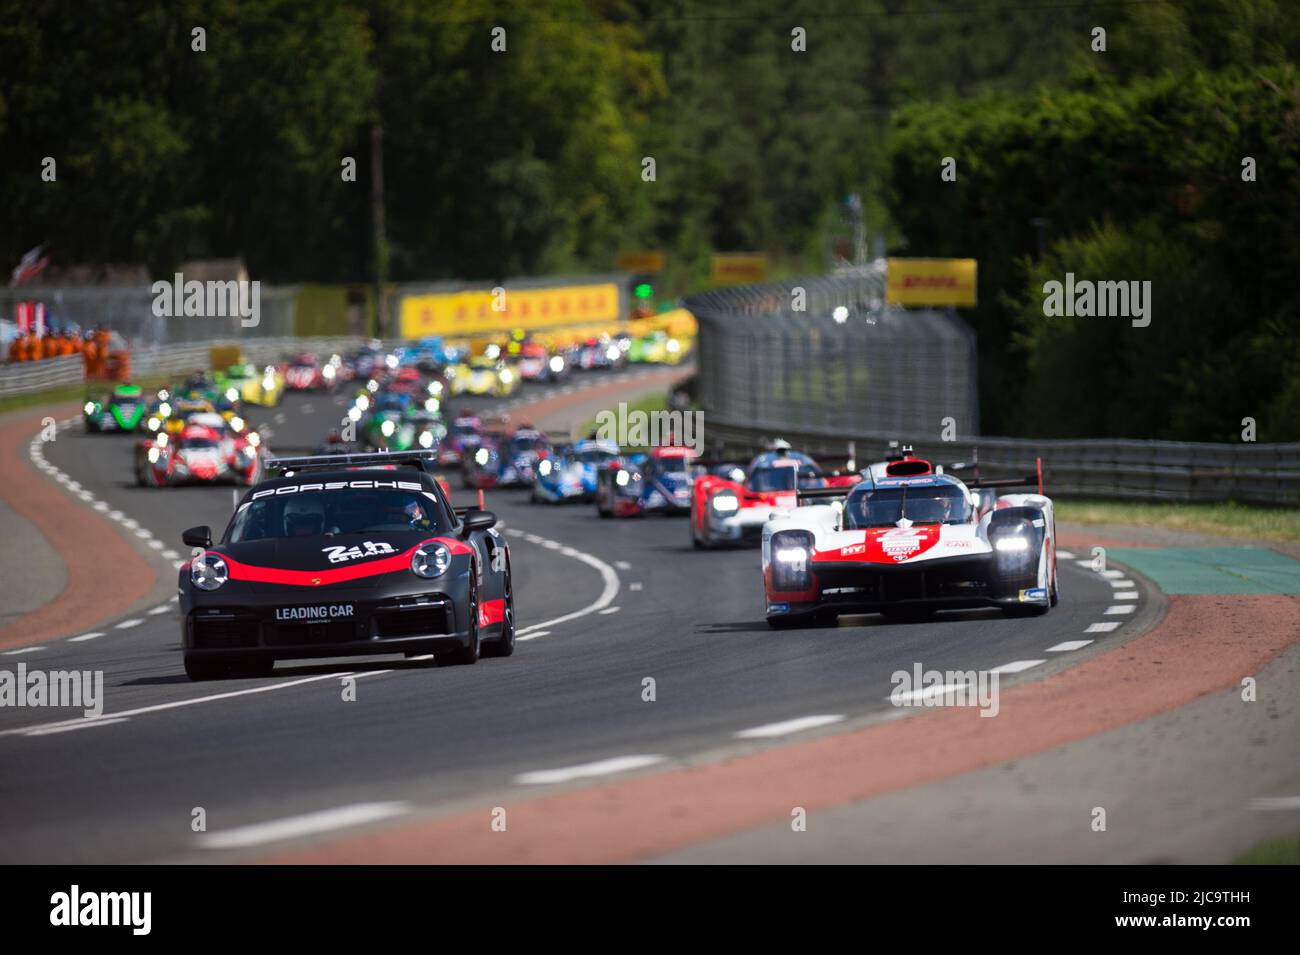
(656, 483)
(512, 462)
(570, 473)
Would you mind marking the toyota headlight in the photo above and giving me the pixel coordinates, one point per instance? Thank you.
(1011, 544)
(208, 571)
(430, 560)
(725, 503)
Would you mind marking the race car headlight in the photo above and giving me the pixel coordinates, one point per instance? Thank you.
(544, 468)
(327, 371)
(613, 352)
(162, 439)
(622, 478)
(363, 402)
(154, 424)
(387, 429)
(435, 387)
(90, 407)
(254, 438)
(795, 557)
(430, 560)
(674, 345)
(481, 456)
(791, 551)
(426, 439)
(268, 383)
(371, 386)
(557, 364)
(237, 423)
(506, 377)
(208, 572)
(163, 394)
(165, 410)
(1011, 544)
(726, 503)
(232, 394)
(431, 405)
(153, 455)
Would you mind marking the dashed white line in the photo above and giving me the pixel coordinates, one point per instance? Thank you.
(609, 610)
(1017, 666)
(603, 767)
(635, 585)
(1275, 803)
(622, 565)
(128, 624)
(786, 727)
(21, 650)
(926, 693)
(1068, 646)
(1064, 555)
(1125, 595)
(82, 724)
(1121, 583)
(1120, 609)
(1104, 627)
(162, 608)
(94, 634)
(534, 635)
(170, 555)
(309, 824)
(1112, 574)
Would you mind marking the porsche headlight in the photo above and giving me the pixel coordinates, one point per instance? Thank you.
(430, 560)
(426, 439)
(387, 428)
(208, 571)
(725, 503)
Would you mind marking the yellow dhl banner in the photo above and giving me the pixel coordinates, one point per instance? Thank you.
(464, 313)
(642, 261)
(738, 268)
(930, 281)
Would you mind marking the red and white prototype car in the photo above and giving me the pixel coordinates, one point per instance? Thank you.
(906, 540)
(205, 451)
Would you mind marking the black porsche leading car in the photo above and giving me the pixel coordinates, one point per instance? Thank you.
(345, 555)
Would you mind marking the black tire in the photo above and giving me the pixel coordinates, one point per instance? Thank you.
(197, 669)
(505, 645)
(465, 656)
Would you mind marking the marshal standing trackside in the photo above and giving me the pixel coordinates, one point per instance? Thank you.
(345, 555)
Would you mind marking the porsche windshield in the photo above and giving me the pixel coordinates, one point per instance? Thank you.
(885, 507)
(328, 513)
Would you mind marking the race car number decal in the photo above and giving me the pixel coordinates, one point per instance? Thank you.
(343, 553)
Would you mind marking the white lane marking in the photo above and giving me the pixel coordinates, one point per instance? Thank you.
(308, 824)
(1112, 574)
(170, 555)
(553, 545)
(929, 692)
(144, 534)
(609, 610)
(128, 624)
(14, 653)
(1064, 555)
(86, 636)
(1017, 666)
(130, 523)
(1104, 627)
(514, 532)
(101, 506)
(635, 585)
(534, 635)
(1120, 609)
(607, 594)
(532, 538)
(786, 727)
(1069, 645)
(1125, 595)
(194, 701)
(156, 544)
(83, 724)
(162, 608)
(1274, 803)
(1120, 584)
(603, 767)
(622, 565)
(115, 515)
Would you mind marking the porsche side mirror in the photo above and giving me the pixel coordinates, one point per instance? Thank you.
(201, 536)
(478, 521)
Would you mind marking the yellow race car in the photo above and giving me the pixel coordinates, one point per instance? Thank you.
(484, 377)
(244, 382)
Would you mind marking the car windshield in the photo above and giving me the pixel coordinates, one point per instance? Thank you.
(328, 513)
(774, 479)
(675, 465)
(885, 507)
(199, 444)
(525, 443)
(594, 456)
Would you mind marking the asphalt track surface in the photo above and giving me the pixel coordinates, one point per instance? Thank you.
(641, 603)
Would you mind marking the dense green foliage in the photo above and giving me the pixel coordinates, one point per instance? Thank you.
(1122, 164)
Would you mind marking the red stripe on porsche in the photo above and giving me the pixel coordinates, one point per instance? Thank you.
(336, 575)
(491, 611)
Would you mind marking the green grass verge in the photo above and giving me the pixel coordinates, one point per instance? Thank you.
(1230, 519)
(1285, 851)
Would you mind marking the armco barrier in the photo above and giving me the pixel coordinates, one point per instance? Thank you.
(29, 377)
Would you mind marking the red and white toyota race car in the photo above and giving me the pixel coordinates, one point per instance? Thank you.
(730, 508)
(907, 540)
(204, 452)
(306, 373)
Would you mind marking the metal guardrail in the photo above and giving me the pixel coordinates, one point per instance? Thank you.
(29, 377)
(882, 375)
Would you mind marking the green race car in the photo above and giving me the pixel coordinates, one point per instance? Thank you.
(122, 409)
